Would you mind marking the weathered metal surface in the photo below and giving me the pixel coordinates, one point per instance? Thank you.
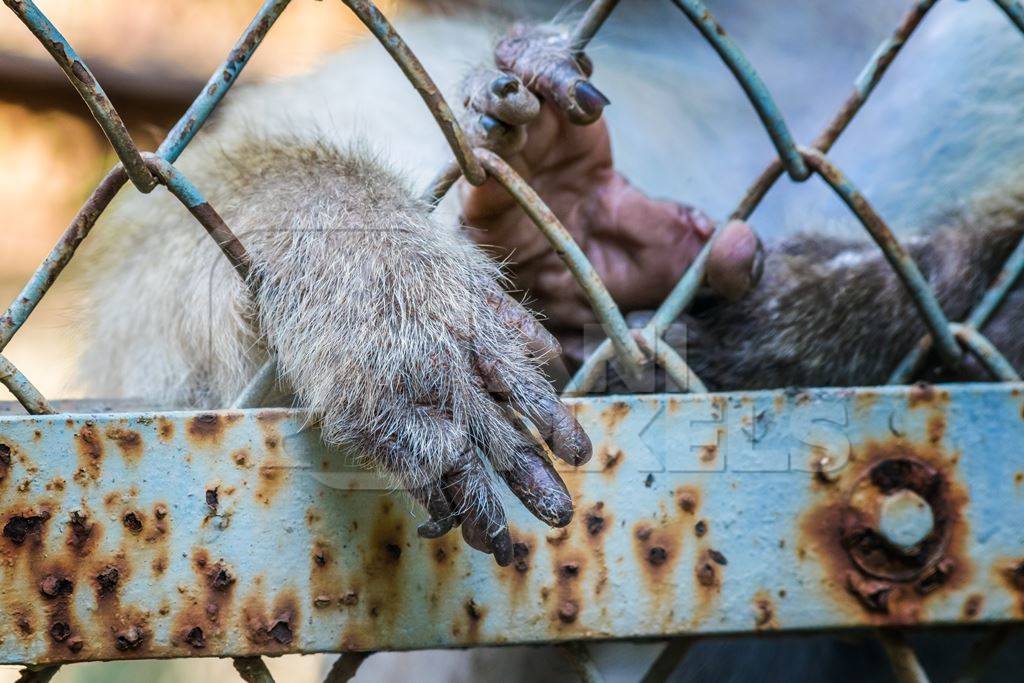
(235, 533)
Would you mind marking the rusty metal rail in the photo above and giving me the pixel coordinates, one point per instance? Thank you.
(236, 533)
(662, 552)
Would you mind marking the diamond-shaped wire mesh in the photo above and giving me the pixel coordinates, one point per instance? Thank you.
(630, 347)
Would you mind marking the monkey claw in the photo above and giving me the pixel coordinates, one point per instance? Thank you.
(236, 533)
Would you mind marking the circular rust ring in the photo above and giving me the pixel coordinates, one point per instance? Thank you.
(869, 549)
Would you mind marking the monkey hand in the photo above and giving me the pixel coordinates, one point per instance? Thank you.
(540, 111)
(395, 333)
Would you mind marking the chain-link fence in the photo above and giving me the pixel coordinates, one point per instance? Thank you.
(631, 348)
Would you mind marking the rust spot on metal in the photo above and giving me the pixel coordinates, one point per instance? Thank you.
(208, 429)
(568, 610)
(764, 612)
(82, 533)
(1012, 574)
(657, 555)
(55, 585)
(707, 572)
(212, 499)
(106, 580)
(383, 564)
(936, 428)
(164, 429)
(610, 460)
(5, 460)
(22, 526)
(128, 441)
(89, 445)
(925, 394)
(657, 547)
(133, 521)
(876, 580)
(613, 415)
(688, 500)
(195, 637)
(60, 631)
(274, 628)
(569, 570)
(972, 606)
(595, 519)
(274, 467)
(241, 458)
(130, 638)
(475, 614)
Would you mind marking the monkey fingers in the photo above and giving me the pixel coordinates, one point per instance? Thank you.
(559, 428)
(546, 61)
(442, 519)
(537, 485)
(501, 95)
(488, 132)
(541, 343)
(475, 503)
(498, 105)
(561, 431)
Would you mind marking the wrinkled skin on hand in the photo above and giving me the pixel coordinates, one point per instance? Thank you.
(559, 143)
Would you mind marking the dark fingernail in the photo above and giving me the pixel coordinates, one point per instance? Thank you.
(757, 270)
(501, 546)
(571, 443)
(435, 529)
(590, 99)
(504, 85)
(491, 124)
(536, 483)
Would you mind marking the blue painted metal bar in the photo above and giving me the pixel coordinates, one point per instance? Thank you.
(751, 82)
(1001, 286)
(28, 396)
(699, 514)
(179, 136)
(591, 22)
(189, 195)
(986, 353)
(87, 86)
(46, 274)
(221, 81)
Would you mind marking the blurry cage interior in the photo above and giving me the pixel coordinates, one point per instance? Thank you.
(632, 349)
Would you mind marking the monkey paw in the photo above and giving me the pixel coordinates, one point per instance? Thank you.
(533, 64)
(448, 431)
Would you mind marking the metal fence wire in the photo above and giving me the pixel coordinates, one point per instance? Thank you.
(631, 348)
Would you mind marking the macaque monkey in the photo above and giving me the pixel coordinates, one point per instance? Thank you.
(404, 331)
